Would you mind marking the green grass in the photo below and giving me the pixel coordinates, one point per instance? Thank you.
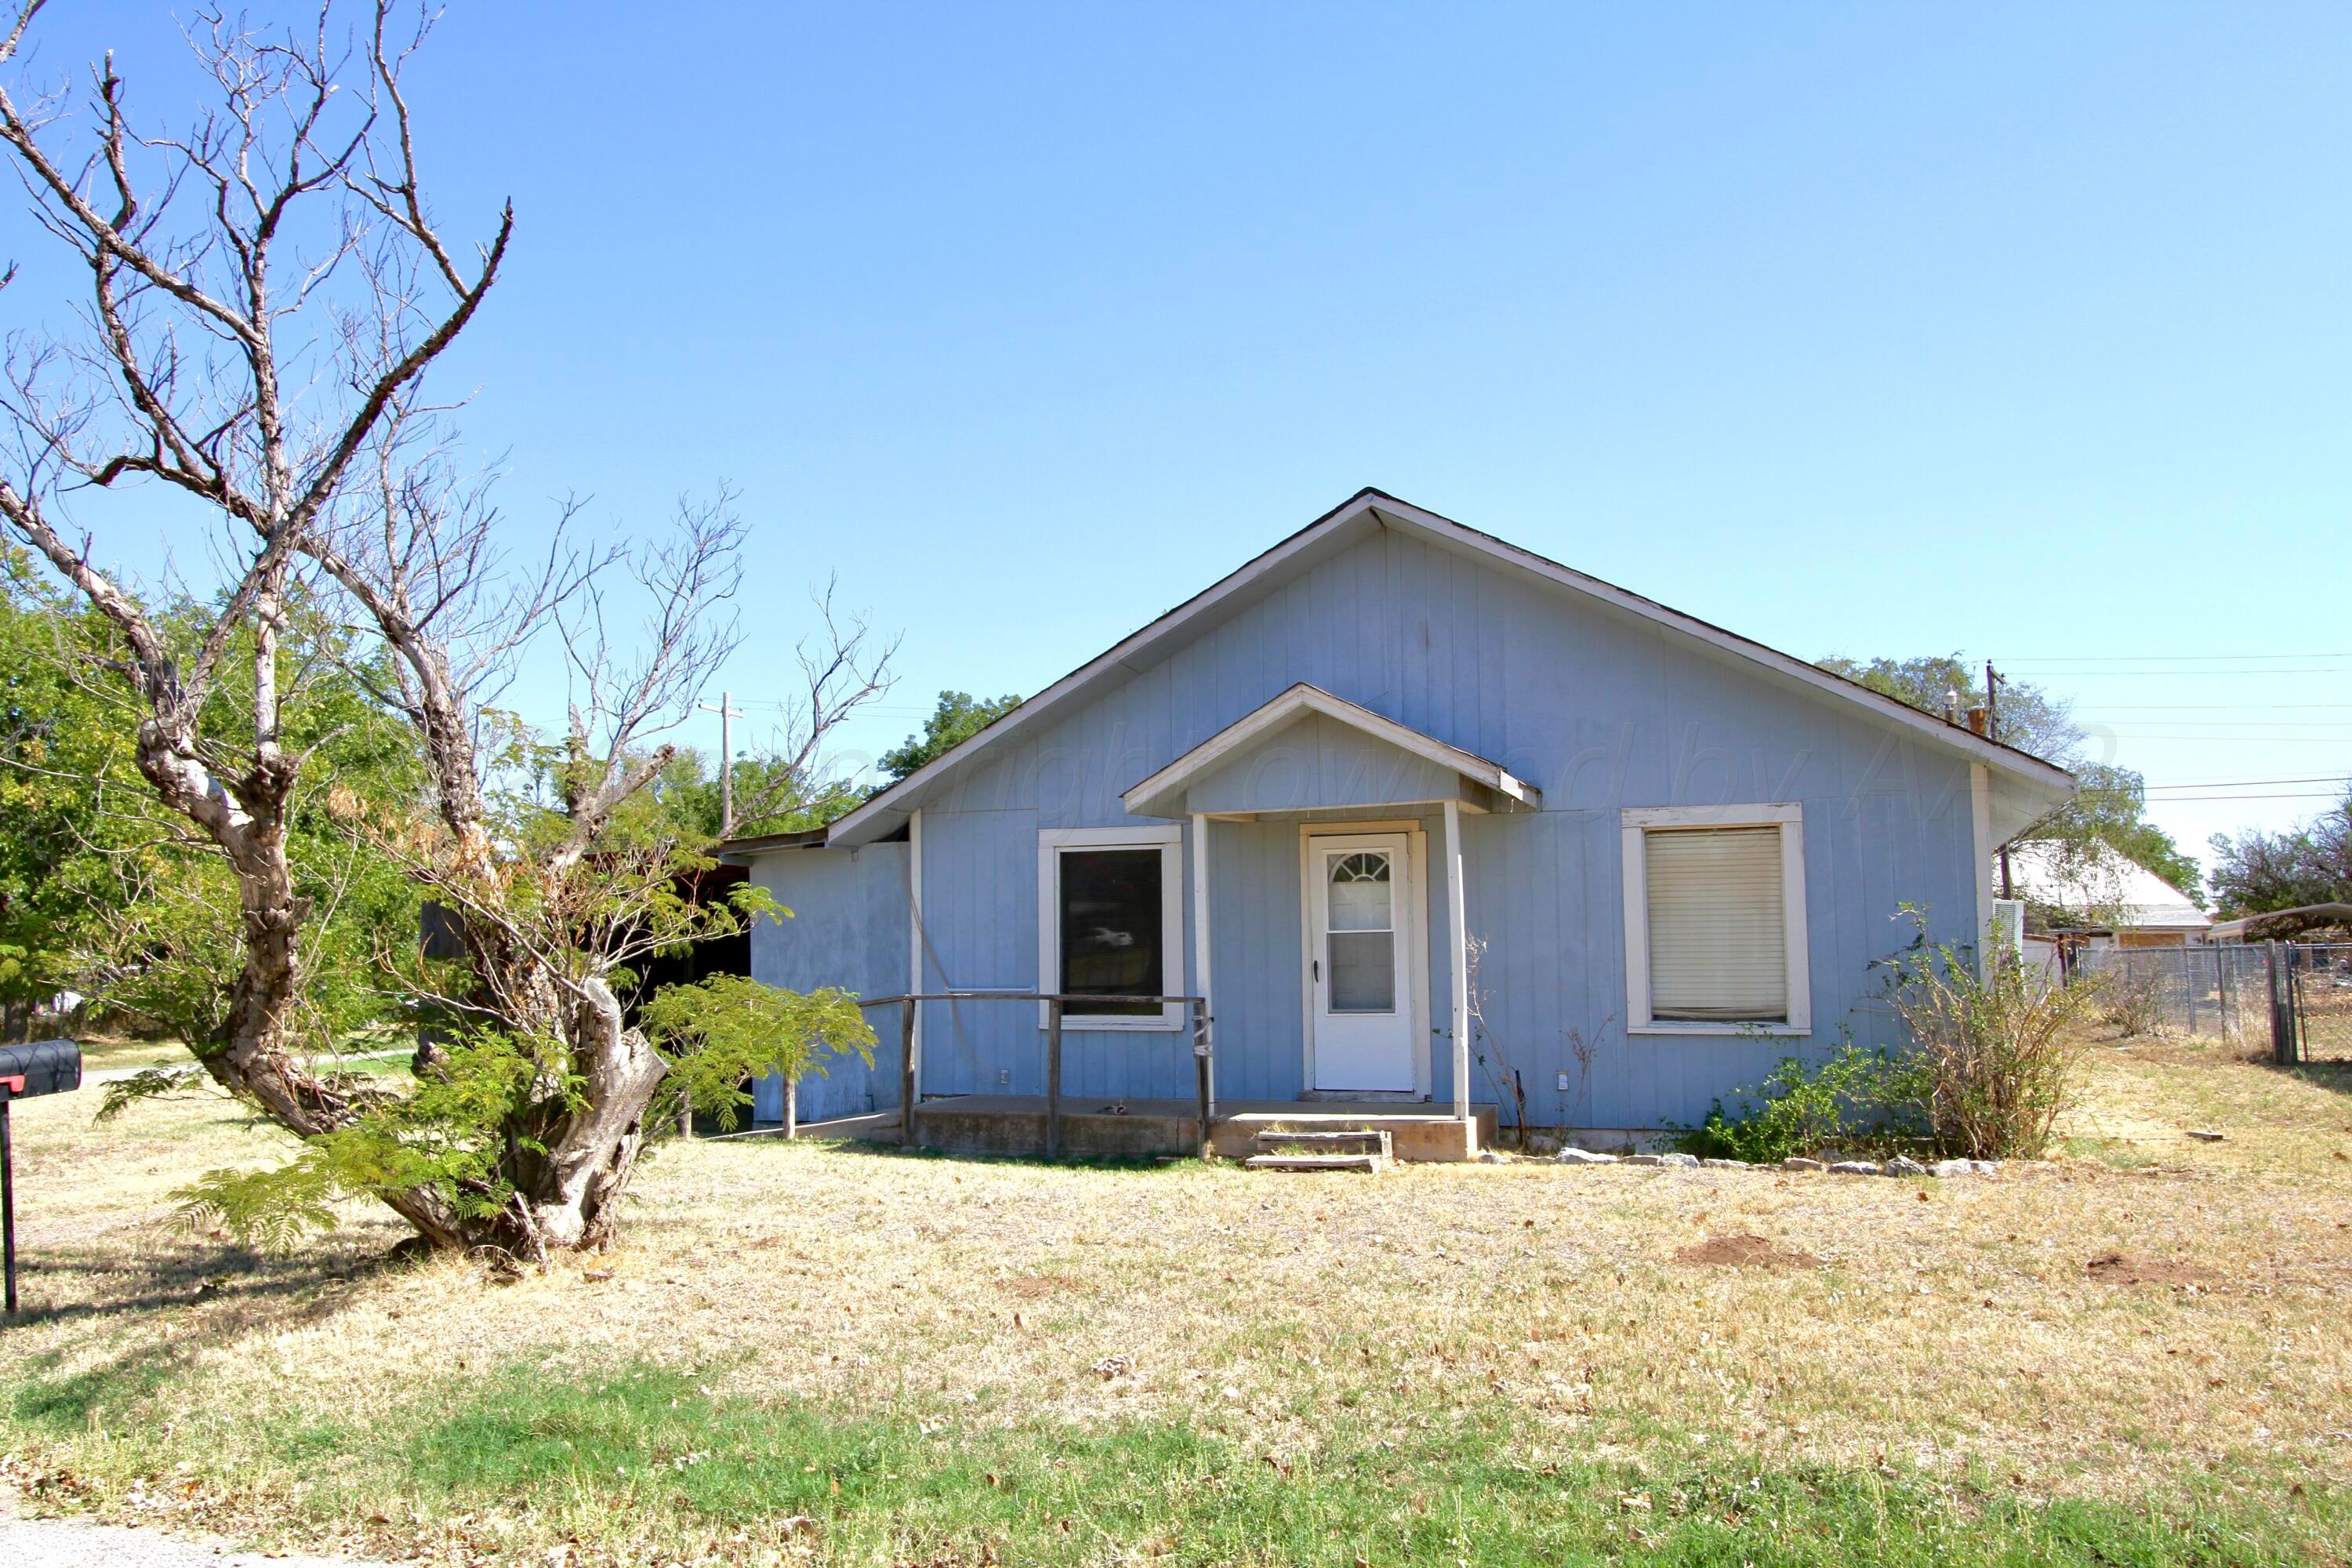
(2113, 1152)
(689, 1467)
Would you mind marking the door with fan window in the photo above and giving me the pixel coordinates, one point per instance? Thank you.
(1360, 908)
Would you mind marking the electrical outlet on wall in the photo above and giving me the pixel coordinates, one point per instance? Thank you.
(1004, 1078)
(1563, 1083)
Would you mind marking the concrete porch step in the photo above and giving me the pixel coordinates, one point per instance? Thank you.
(1415, 1132)
(1327, 1140)
(1368, 1164)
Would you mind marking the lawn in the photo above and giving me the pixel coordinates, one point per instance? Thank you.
(812, 1352)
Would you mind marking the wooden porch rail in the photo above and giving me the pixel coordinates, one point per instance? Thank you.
(910, 1092)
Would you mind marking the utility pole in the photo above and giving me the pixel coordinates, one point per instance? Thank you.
(1992, 732)
(728, 713)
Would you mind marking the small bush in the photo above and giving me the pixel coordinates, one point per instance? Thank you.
(1991, 1065)
(2130, 1003)
(1850, 1099)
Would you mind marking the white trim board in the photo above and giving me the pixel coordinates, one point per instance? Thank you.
(1635, 825)
(1168, 840)
(1301, 700)
(878, 815)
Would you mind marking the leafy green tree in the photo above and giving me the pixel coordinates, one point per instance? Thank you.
(725, 1030)
(57, 754)
(771, 794)
(2110, 809)
(959, 717)
(2025, 717)
(2256, 872)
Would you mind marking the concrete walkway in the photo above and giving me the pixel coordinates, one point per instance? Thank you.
(75, 1543)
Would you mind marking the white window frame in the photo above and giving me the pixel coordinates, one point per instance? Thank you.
(1169, 841)
(1637, 827)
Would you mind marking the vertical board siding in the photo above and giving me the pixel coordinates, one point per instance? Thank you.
(1601, 711)
(848, 928)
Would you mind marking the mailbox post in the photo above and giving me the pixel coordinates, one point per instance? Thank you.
(45, 1067)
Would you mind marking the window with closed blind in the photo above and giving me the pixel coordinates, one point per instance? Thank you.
(1715, 920)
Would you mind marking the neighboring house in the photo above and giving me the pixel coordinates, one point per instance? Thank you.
(2100, 898)
(1392, 778)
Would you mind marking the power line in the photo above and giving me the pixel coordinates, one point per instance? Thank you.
(2217, 783)
(2190, 799)
(2244, 740)
(2201, 674)
(2155, 658)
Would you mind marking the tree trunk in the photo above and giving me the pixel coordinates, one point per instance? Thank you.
(571, 1193)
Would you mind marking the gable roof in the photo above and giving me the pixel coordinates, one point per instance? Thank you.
(1369, 509)
(1303, 699)
(2107, 886)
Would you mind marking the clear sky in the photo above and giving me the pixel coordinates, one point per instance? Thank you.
(2021, 331)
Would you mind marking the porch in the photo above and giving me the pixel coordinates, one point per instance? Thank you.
(1017, 1124)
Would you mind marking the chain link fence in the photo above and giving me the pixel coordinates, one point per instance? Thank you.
(2295, 999)
(2215, 993)
(2315, 1006)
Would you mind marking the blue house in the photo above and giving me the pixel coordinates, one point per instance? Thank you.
(1430, 825)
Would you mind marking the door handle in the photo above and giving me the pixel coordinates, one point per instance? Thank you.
(1316, 965)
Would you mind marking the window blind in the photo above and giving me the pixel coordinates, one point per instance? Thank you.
(1719, 941)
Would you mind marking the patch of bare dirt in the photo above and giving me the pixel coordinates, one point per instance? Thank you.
(2129, 1268)
(1745, 1252)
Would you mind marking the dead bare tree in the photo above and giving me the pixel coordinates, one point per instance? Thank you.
(210, 362)
(268, 292)
(553, 892)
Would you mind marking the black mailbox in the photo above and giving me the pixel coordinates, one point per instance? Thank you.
(45, 1067)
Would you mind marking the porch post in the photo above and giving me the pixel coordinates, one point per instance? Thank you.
(914, 952)
(1457, 959)
(1206, 1022)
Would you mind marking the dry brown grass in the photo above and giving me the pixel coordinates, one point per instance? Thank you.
(1951, 1325)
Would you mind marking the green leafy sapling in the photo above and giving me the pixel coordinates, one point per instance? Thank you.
(717, 1033)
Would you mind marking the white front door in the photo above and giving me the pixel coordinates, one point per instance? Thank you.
(1360, 928)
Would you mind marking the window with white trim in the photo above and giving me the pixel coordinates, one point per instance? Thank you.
(1110, 905)
(1715, 920)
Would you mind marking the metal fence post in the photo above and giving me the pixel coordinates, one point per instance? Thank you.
(1054, 1078)
(8, 1202)
(2282, 1023)
(1201, 1048)
(2221, 990)
(907, 1072)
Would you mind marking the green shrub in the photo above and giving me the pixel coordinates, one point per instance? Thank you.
(1853, 1099)
(1993, 1061)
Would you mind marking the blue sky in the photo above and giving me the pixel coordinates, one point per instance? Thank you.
(2020, 331)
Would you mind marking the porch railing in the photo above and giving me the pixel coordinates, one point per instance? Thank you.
(910, 1091)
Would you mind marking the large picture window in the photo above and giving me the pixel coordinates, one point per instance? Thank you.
(1111, 923)
(1714, 937)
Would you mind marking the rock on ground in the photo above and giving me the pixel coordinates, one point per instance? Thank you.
(1584, 1157)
